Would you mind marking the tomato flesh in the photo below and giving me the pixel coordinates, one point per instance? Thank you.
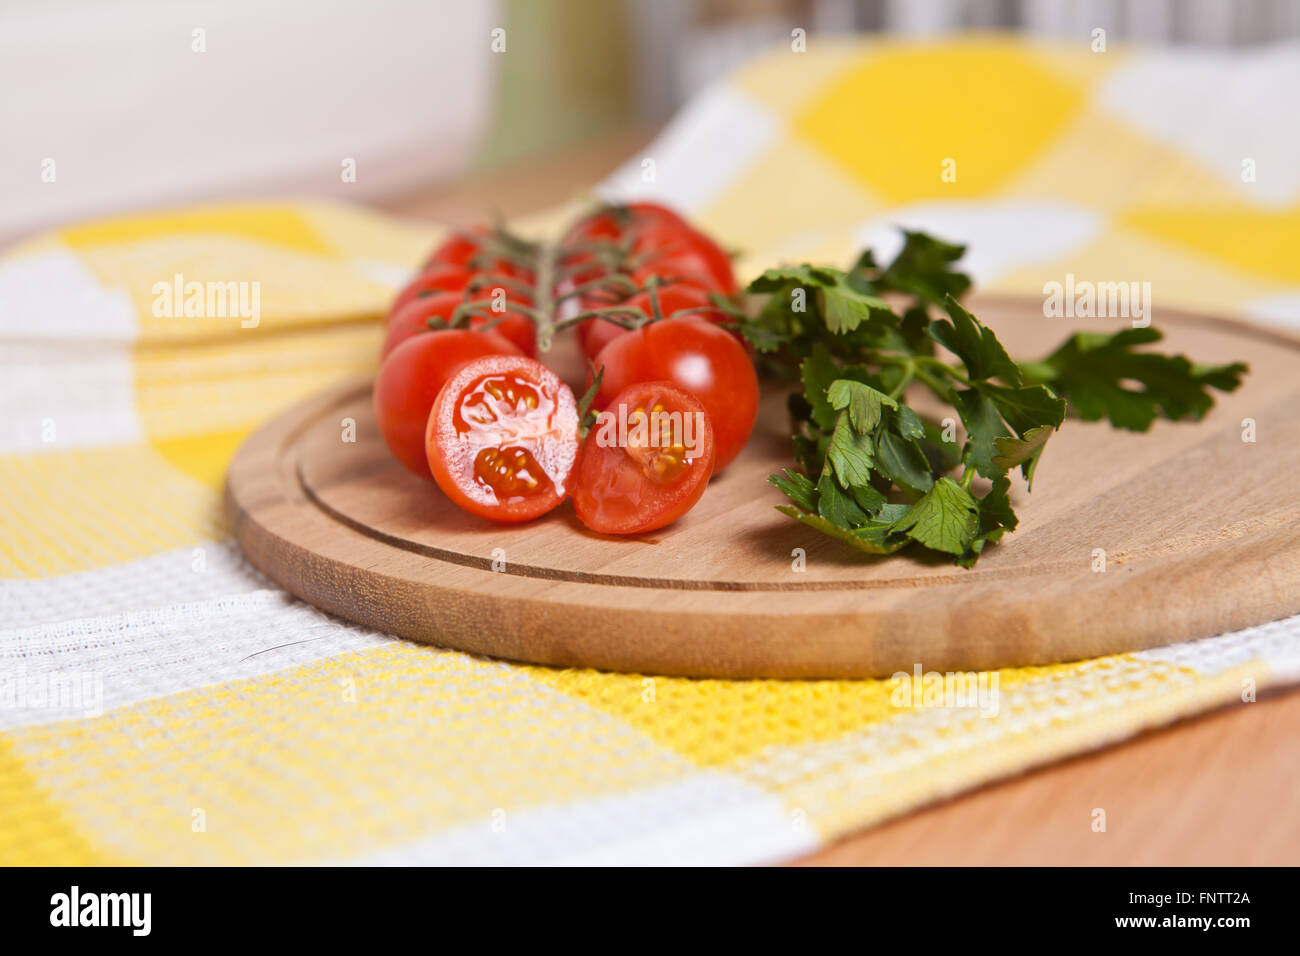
(699, 358)
(409, 381)
(502, 438)
(646, 462)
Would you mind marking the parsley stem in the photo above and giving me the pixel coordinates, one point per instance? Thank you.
(943, 366)
(917, 361)
(909, 373)
(939, 388)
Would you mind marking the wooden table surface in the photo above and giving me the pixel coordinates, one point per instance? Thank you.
(1215, 790)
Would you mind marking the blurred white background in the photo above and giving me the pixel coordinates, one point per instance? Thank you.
(117, 94)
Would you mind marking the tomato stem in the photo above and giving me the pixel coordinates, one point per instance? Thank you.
(619, 315)
(652, 286)
(602, 284)
(543, 295)
(483, 307)
(497, 281)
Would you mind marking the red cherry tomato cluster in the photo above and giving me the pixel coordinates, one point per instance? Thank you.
(639, 263)
(461, 398)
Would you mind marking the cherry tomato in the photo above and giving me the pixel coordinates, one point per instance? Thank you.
(698, 357)
(597, 333)
(459, 248)
(512, 325)
(675, 250)
(607, 226)
(616, 220)
(645, 463)
(473, 283)
(440, 278)
(484, 265)
(672, 271)
(502, 439)
(410, 378)
(413, 318)
(579, 268)
(477, 249)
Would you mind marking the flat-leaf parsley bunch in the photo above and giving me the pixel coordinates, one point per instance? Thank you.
(878, 475)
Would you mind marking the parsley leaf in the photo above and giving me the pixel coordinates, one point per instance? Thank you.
(977, 347)
(873, 538)
(878, 476)
(1093, 370)
(996, 519)
(850, 454)
(984, 426)
(846, 308)
(796, 486)
(818, 372)
(1023, 451)
(945, 519)
(923, 268)
(864, 403)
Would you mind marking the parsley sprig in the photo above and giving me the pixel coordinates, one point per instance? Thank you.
(879, 476)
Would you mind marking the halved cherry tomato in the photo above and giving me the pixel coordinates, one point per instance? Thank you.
(410, 379)
(645, 463)
(696, 356)
(597, 333)
(413, 318)
(502, 439)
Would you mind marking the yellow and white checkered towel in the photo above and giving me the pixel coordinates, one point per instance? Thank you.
(161, 702)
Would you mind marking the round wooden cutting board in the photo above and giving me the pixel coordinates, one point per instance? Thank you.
(1200, 532)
